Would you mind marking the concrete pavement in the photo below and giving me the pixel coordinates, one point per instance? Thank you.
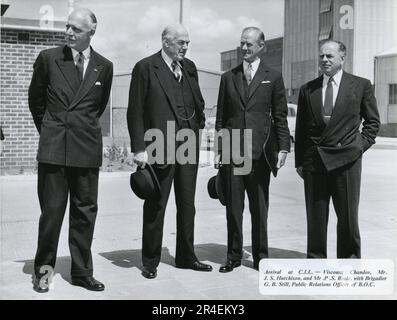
(117, 240)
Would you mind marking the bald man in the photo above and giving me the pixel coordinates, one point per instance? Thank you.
(68, 93)
(165, 92)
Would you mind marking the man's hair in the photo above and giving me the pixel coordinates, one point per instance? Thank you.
(91, 16)
(168, 32)
(341, 45)
(261, 35)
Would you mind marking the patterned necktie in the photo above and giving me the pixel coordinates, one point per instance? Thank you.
(329, 99)
(248, 74)
(80, 66)
(176, 70)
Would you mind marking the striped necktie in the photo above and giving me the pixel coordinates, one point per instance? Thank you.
(80, 66)
(248, 74)
(329, 100)
(176, 70)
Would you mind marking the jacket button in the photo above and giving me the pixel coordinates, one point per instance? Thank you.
(339, 145)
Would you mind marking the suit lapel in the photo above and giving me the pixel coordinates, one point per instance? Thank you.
(91, 75)
(238, 83)
(68, 69)
(260, 75)
(163, 74)
(346, 88)
(316, 101)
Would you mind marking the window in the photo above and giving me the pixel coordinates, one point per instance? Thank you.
(325, 33)
(325, 6)
(393, 93)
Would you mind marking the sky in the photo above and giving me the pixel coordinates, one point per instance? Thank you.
(129, 30)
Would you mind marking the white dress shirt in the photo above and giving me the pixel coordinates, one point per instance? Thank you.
(168, 61)
(86, 53)
(335, 85)
(254, 67)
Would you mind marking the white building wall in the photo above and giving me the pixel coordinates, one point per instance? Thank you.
(386, 74)
(375, 31)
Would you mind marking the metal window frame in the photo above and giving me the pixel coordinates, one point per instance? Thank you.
(325, 33)
(325, 6)
(392, 93)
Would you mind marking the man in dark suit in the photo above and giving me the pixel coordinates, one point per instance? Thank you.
(251, 97)
(165, 92)
(68, 93)
(329, 148)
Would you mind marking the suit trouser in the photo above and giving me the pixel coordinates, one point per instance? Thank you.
(55, 183)
(184, 178)
(343, 186)
(257, 186)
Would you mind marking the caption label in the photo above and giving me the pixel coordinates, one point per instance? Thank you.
(326, 276)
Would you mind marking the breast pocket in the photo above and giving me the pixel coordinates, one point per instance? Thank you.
(264, 91)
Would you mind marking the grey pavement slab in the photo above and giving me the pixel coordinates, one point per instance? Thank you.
(117, 239)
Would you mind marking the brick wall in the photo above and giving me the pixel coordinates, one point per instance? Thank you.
(19, 50)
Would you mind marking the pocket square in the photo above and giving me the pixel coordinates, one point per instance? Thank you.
(266, 81)
(98, 83)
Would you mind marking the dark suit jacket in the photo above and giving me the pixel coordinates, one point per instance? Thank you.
(340, 142)
(65, 113)
(151, 102)
(264, 110)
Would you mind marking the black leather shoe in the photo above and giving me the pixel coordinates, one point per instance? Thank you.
(90, 283)
(196, 266)
(43, 288)
(149, 273)
(229, 266)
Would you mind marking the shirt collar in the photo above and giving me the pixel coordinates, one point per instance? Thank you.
(168, 60)
(86, 53)
(254, 65)
(337, 78)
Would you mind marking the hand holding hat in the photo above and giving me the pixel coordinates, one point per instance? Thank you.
(144, 183)
(141, 158)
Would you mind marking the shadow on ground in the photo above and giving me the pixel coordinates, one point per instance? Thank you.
(211, 252)
(63, 266)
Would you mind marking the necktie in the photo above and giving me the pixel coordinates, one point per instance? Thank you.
(329, 99)
(80, 66)
(176, 70)
(248, 74)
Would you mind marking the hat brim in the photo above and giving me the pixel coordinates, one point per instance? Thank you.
(138, 185)
(219, 185)
(216, 189)
(155, 180)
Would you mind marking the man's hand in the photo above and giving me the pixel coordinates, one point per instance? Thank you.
(282, 156)
(217, 161)
(299, 170)
(141, 158)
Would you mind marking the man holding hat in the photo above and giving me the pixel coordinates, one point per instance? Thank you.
(164, 90)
